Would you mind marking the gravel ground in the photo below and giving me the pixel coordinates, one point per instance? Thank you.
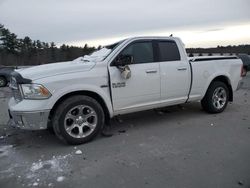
(181, 146)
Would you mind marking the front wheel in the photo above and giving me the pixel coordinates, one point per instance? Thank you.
(216, 98)
(78, 119)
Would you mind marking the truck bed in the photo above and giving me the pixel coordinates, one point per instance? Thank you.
(210, 67)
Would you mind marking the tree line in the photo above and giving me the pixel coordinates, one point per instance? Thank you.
(222, 50)
(25, 51)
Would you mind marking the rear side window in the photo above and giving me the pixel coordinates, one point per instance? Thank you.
(142, 52)
(168, 51)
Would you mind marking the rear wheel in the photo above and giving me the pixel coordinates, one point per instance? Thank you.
(216, 98)
(78, 119)
(3, 81)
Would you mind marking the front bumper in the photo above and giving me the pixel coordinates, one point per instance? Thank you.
(35, 120)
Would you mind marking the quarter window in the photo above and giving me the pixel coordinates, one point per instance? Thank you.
(169, 51)
(142, 52)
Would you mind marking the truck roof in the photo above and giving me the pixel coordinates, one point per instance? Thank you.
(152, 37)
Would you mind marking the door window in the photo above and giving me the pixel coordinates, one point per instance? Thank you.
(142, 52)
(168, 51)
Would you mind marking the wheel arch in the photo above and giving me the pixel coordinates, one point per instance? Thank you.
(91, 94)
(225, 80)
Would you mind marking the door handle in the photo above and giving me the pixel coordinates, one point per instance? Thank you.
(181, 68)
(151, 71)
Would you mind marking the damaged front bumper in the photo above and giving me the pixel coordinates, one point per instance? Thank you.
(36, 120)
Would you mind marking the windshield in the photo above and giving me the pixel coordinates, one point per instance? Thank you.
(113, 46)
(97, 55)
(101, 54)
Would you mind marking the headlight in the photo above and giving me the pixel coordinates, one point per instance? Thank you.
(35, 91)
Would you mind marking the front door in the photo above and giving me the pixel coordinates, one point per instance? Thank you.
(142, 89)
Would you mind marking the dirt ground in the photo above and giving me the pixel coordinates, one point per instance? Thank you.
(181, 146)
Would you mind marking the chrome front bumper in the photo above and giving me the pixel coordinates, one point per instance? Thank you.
(36, 120)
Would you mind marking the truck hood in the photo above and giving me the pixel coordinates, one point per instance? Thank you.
(53, 69)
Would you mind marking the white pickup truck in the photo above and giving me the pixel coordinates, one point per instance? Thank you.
(76, 98)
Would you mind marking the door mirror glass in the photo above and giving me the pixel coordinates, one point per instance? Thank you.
(123, 60)
(125, 72)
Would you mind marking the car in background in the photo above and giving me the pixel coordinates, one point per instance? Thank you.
(5, 75)
(246, 61)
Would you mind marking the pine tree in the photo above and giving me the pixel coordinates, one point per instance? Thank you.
(52, 45)
(1, 35)
(27, 44)
(9, 40)
(39, 44)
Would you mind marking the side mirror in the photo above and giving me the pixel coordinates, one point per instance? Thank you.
(123, 60)
(125, 72)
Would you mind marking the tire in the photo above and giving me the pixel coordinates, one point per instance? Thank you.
(244, 71)
(78, 119)
(3, 81)
(50, 128)
(216, 98)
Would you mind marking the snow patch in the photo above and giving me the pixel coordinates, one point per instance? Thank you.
(4, 150)
(60, 178)
(35, 184)
(43, 169)
(78, 152)
(41, 173)
(2, 137)
(52, 164)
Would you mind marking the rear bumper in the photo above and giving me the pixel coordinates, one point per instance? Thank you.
(35, 120)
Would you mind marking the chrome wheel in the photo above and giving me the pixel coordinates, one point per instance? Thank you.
(80, 121)
(219, 98)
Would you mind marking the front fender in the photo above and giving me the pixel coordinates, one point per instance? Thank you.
(102, 92)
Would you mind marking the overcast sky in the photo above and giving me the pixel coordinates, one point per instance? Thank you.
(198, 22)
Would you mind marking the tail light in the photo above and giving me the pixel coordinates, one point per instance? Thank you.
(243, 71)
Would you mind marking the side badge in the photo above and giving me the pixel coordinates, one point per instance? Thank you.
(119, 84)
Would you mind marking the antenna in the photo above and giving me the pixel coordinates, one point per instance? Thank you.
(171, 35)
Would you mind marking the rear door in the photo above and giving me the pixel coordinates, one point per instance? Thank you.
(143, 88)
(174, 71)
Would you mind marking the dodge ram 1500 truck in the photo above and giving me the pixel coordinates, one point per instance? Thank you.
(76, 98)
